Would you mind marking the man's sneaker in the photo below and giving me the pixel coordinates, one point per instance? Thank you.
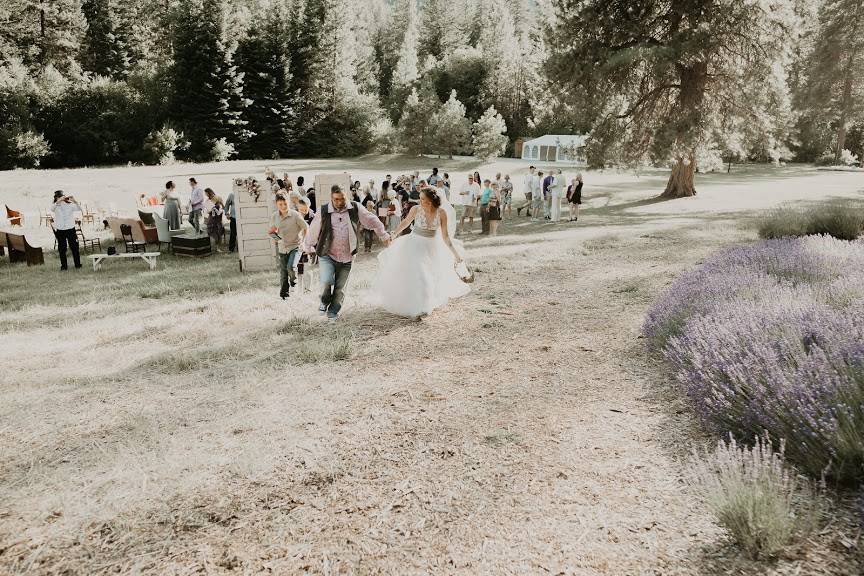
(332, 316)
(322, 308)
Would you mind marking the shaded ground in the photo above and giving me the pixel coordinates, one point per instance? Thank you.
(188, 421)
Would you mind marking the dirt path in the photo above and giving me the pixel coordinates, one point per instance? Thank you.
(522, 430)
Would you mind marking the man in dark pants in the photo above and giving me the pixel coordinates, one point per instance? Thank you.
(287, 227)
(231, 209)
(65, 208)
(334, 235)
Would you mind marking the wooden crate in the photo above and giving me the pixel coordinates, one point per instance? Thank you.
(191, 245)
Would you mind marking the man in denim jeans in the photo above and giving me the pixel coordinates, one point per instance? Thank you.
(334, 235)
(196, 205)
(287, 227)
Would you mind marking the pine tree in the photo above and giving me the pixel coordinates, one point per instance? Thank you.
(658, 91)
(416, 126)
(103, 52)
(407, 67)
(262, 58)
(489, 140)
(438, 35)
(207, 100)
(306, 70)
(835, 91)
(452, 130)
(46, 32)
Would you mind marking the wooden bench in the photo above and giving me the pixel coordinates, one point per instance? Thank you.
(21, 251)
(149, 257)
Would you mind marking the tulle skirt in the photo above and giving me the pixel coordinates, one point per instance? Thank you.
(416, 275)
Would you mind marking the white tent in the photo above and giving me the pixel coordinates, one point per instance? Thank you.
(566, 148)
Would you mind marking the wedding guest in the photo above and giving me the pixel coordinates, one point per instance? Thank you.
(172, 205)
(305, 280)
(556, 191)
(467, 201)
(447, 185)
(506, 192)
(433, 178)
(64, 209)
(300, 188)
(310, 194)
(368, 202)
(334, 235)
(231, 209)
(494, 210)
(287, 228)
(537, 201)
(306, 210)
(215, 227)
(485, 198)
(574, 197)
(547, 199)
(528, 190)
(196, 205)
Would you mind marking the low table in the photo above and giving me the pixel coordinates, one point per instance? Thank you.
(149, 257)
(191, 245)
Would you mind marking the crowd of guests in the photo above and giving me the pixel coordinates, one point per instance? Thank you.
(294, 207)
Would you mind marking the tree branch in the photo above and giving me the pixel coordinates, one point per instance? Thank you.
(646, 97)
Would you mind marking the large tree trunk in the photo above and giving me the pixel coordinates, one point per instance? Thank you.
(681, 181)
(846, 109)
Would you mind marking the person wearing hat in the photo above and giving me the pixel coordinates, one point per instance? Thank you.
(65, 207)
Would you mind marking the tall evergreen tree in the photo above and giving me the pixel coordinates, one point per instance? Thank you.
(46, 32)
(452, 129)
(836, 69)
(407, 67)
(306, 69)
(263, 59)
(207, 99)
(103, 52)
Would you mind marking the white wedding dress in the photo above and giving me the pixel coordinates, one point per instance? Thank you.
(416, 273)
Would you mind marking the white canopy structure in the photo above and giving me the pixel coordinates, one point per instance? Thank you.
(565, 148)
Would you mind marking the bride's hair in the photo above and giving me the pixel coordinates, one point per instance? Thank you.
(433, 196)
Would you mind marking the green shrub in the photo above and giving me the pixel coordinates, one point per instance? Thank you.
(783, 222)
(755, 496)
(100, 122)
(843, 220)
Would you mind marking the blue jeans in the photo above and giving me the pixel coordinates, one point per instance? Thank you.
(195, 220)
(334, 277)
(288, 270)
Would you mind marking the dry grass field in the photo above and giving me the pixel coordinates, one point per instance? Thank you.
(188, 421)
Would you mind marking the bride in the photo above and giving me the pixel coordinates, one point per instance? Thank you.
(417, 274)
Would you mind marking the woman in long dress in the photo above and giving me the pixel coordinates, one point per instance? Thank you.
(556, 188)
(417, 274)
(172, 206)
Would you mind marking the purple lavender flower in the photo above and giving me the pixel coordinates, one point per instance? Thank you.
(770, 337)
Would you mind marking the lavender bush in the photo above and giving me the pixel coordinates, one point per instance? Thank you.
(770, 338)
(755, 496)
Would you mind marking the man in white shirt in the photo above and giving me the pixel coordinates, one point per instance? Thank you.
(528, 190)
(537, 195)
(196, 205)
(468, 196)
(65, 208)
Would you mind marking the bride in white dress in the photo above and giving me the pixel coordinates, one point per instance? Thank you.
(417, 274)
